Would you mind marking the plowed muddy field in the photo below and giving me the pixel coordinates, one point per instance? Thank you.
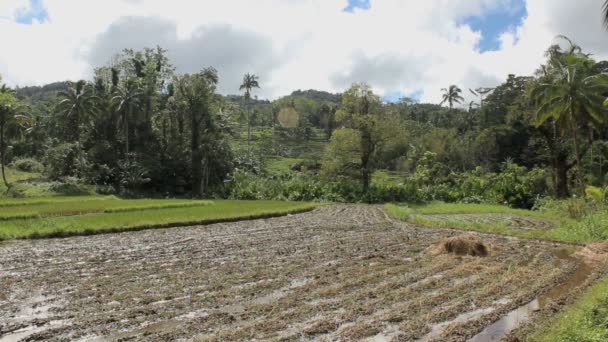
(342, 272)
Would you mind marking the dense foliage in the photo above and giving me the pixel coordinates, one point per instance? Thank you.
(141, 128)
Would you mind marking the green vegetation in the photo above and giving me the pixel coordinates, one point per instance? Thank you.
(77, 206)
(113, 215)
(569, 221)
(585, 320)
(140, 129)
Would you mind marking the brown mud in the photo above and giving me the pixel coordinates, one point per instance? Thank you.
(339, 272)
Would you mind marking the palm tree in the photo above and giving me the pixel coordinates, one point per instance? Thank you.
(128, 98)
(605, 13)
(250, 81)
(452, 95)
(78, 102)
(571, 97)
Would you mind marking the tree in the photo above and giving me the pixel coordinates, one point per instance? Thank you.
(77, 104)
(128, 98)
(9, 107)
(451, 95)
(572, 97)
(368, 131)
(250, 81)
(196, 92)
(605, 13)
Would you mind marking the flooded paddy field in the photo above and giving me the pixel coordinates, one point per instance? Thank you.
(341, 272)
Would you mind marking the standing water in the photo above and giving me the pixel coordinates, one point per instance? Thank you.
(513, 319)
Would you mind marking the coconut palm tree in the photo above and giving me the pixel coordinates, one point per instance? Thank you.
(78, 103)
(571, 97)
(127, 99)
(250, 81)
(605, 13)
(451, 95)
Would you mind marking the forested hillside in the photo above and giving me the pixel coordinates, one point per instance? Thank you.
(140, 128)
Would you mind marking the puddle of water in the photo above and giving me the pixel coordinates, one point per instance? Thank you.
(21, 334)
(438, 329)
(513, 319)
(146, 330)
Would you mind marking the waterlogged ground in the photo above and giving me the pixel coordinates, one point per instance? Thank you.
(336, 273)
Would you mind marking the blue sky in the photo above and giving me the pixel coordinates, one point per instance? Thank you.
(395, 96)
(397, 46)
(493, 24)
(36, 11)
(353, 4)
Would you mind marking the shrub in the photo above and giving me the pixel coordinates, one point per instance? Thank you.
(70, 186)
(65, 160)
(28, 165)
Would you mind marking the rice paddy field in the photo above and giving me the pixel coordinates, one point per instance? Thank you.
(338, 272)
(86, 215)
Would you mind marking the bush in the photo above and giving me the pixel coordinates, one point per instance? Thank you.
(28, 165)
(69, 187)
(245, 185)
(65, 160)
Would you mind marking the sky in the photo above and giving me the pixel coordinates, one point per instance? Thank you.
(401, 48)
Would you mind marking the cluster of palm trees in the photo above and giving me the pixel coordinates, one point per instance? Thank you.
(570, 95)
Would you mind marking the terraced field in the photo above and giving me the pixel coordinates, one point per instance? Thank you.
(340, 272)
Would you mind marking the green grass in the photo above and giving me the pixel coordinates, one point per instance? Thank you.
(27, 184)
(60, 226)
(463, 208)
(585, 320)
(11, 202)
(66, 207)
(281, 165)
(563, 231)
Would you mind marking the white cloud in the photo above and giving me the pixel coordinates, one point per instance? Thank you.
(397, 45)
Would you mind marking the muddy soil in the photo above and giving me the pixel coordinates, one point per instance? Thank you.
(342, 272)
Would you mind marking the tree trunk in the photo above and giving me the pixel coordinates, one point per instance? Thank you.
(76, 125)
(559, 163)
(561, 178)
(3, 156)
(579, 171)
(127, 131)
(197, 157)
(248, 121)
(366, 149)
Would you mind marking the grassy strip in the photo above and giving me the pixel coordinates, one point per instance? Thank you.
(462, 208)
(585, 320)
(14, 202)
(220, 211)
(567, 230)
(70, 208)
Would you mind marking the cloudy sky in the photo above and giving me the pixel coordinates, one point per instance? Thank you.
(400, 47)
